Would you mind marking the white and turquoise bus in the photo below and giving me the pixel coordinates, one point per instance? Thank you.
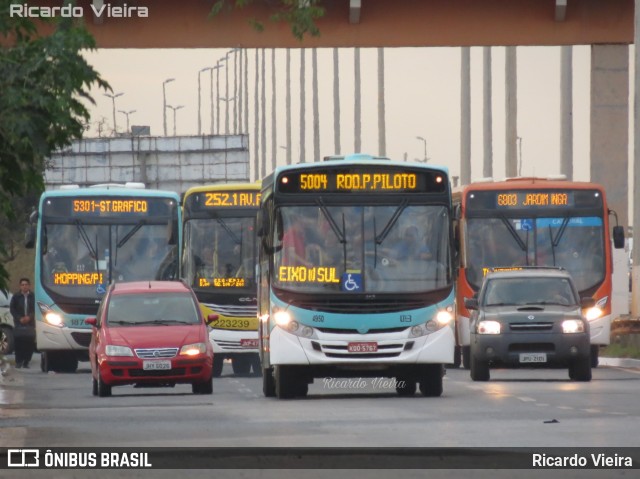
(86, 238)
(355, 275)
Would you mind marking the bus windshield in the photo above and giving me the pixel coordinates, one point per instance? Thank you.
(220, 253)
(362, 249)
(81, 258)
(574, 243)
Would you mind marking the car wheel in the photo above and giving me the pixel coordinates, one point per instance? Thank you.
(405, 386)
(104, 390)
(479, 370)
(268, 383)
(241, 364)
(466, 357)
(218, 362)
(580, 370)
(203, 388)
(431, 380)
(6, 340)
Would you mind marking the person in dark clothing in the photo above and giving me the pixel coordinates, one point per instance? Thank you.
(22, 309)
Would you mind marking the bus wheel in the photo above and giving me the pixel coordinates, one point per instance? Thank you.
(595, 350)
(45, 362)
(580, 370)
(466, 357)
(69, 363)
(405, 386)
(256, 367)
(268, 384)
(479, 370)
(431, 380)
(286, 387)
(218, 362)
(241, 364)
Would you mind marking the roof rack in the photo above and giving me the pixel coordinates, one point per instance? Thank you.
(519, 268)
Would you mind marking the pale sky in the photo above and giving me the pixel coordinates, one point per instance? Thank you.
(422, 93)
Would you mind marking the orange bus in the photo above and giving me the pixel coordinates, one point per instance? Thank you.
(536, 222)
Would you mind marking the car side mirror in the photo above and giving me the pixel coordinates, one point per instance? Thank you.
(587, 302)
(92, 320)
(211, 318)
(471, 303)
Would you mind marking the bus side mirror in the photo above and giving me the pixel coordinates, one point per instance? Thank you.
(618, 237)
(471, 303)
(173, 231)
(30, 236)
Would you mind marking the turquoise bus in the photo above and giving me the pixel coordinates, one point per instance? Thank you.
(85, 239)
(355, 274)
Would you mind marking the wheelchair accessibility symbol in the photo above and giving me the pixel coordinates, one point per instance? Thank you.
(351, 282)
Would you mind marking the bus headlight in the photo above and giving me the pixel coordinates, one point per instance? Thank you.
(572, 326)
(112, 350)
(488, 327)
(444, 317)
(286, 322)
(596, 311)
(282, 318)
(193, 349)
(50, 316)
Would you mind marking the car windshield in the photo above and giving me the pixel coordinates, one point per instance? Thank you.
(526, 291)
(152, 309)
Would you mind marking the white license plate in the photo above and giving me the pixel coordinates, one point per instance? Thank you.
(154, 365)
(533, 357)
(364, 347)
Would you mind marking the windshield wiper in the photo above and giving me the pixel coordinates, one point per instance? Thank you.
(87, 242)
(163, 322)
(133, 231)
(335, 228)
(233, 236)
(121, 322)
(392, 221)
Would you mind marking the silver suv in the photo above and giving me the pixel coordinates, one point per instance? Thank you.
(529, 317)
(6, 325)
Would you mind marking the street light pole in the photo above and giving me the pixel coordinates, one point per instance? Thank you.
(127, 113)
(211, 93)
(425, 148)
(199, 100)
(218, 65)
(164, 103)
(113, 101)
(175, 108)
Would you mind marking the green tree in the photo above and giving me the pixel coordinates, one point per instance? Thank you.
(300, 14)
(44, 93)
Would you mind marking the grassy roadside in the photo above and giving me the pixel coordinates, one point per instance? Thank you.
(620, 351)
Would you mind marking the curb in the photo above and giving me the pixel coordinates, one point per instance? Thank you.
(619, 362)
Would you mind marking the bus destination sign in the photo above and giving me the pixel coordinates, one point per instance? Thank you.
(355, 181)
(534, 199)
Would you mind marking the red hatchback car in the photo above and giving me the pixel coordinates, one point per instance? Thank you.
(150, 333)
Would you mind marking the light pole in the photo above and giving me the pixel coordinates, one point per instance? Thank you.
(211, 92)
(519, 138)
(226, 90)
(113, 101)
(219, 65)
(127, 113)
(425, 148)
(164, 103)
(206, 69)
(175, 108)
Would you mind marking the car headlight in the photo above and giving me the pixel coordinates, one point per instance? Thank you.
(488, 327)
(572, 326)
(50, 316)
(193, 349)
(112, 350)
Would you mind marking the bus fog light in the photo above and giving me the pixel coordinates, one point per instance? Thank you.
(307, 332)
(416, 331)
(573, 350)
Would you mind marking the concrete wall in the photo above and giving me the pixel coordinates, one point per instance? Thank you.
(168, 163)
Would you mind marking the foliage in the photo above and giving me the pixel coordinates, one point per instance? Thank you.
(44, 86)
(300, 14)
(621, 351)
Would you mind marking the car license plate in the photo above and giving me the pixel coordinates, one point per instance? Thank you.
(533, 357)
(362, 347)
(249, 343)
(155, 365)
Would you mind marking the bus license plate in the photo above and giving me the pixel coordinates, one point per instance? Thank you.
(155, 365)
(362, 347)
(533, 357)
(249, 343)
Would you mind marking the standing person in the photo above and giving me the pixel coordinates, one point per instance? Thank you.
(22, 309)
